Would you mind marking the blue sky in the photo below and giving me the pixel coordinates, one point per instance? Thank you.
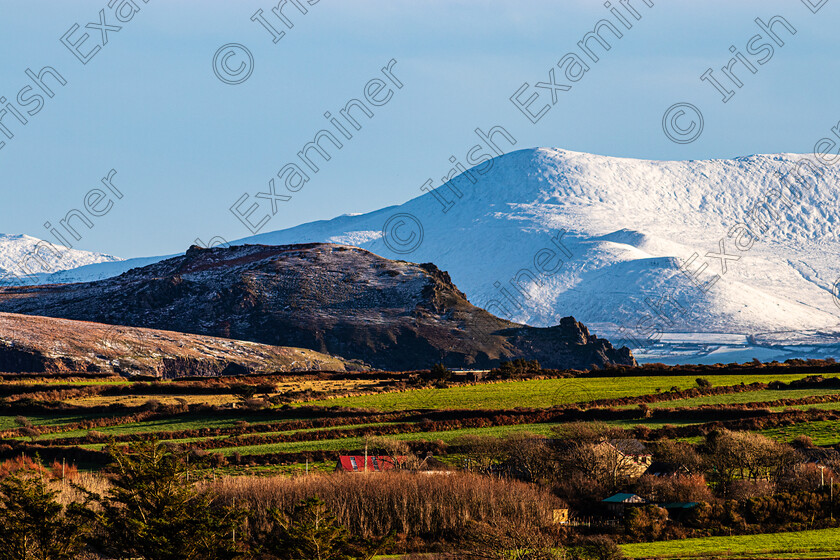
(186, 146)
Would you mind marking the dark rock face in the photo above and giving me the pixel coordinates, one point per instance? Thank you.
(15, 360)
(336, 299)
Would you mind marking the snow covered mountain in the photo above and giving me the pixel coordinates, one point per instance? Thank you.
(637, 241)
(22, 257)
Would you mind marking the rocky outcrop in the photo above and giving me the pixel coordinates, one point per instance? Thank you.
(334, 299)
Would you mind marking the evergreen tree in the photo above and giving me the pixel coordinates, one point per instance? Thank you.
(34, 526)
(153, 512)
(312, 532)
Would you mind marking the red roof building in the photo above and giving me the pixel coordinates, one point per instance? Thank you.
(356, 463)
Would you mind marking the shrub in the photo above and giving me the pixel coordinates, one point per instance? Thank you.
(597, 547)
(507, 542)
(680, 456)
(440, 372)
(678, 488)
(22, 465)
(742, 490)
(518, 368)
(63, 471)
(645, 523)
(805, 477)
(255, 403)
(31, 433)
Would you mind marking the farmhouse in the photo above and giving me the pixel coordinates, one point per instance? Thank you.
(623, 458)
(375, 463)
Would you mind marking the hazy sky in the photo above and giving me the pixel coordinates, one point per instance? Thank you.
(186, 146)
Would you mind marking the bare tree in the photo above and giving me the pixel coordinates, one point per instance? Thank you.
(509, 542)
(680, 456)
(481, 452)
(529, 457)
(602, 461)
(397, 450)
(747, 456)
(578, 433)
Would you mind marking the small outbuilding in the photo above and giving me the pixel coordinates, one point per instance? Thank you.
(560, 516)
(618, 503)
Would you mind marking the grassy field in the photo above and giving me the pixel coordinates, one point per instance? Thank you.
(823, 432)
(139, 400)
(9, 422)
(344, 444)
(246, 454)
(163, 425)
(543, 393)
(347, 444)
(449, 436)
(157, 428)
(497, 396)
(805, 544)
(768, 395)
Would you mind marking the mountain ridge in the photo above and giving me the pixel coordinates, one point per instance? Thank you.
(334, 299)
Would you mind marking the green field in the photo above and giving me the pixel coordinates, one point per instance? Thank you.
(823, 432)
(347, 444)
(805, 544)
(818, 406)
(168, 425)
(240, 444)
(8, 422)
(768, 395)
(543, 393)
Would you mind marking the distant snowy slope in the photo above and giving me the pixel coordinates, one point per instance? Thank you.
(97, 271)
(629, 227)
(630, 224)
(22, 256)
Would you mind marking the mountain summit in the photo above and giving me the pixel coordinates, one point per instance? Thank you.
(654, 248)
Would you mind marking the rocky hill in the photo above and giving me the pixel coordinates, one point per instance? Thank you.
(41, 344)
(336, 299)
